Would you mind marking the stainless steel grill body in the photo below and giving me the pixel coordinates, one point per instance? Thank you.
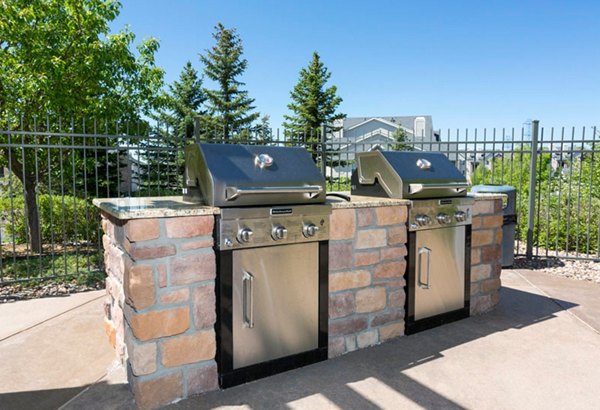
(439, 225)
(408, 175)
(271, 238)
(234, 175)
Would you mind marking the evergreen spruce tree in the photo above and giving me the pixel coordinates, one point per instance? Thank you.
(229, 107)
(313, 104)
(185, 101)
(263, 132)
(400, 140)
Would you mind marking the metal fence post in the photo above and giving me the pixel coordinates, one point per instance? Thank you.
(532, 181)
(323, 150)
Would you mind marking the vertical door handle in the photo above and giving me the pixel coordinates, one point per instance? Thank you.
(248, 300)
(424, 251)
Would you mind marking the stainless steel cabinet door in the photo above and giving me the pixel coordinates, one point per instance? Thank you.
(440, 271)
(275, 302)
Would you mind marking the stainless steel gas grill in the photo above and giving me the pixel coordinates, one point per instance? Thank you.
(439, 230)
(271, 242)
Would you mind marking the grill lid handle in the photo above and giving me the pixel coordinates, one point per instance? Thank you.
(456, 186)
(312, 190)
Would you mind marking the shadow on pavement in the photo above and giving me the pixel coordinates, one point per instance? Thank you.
(354, 380)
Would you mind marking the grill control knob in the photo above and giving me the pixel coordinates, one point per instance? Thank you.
(443, 218)
(460, 216)
(279, 232)
(423, 220)
(310, 230)
(244, 235)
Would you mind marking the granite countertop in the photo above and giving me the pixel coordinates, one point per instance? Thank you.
(172, 206)
(152, 207)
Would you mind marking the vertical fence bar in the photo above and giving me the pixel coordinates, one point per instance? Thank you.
(590, 188)
(532, 180)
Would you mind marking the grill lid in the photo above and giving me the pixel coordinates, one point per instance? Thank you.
(407, 175)
(232, 175)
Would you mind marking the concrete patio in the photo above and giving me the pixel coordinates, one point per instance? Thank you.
(539, 349)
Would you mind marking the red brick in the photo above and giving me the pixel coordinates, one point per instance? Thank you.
(391, 215)
(481, 304)
(476, 222)
(367, 338)
(366, 258)
(491, 253)
(111, 332)
(390, 270)
(151, 252)
(340, 255)
(202, 379)
(205, 243)
(158, 392)
(370, 238)
(480, 272)
(492, 221)
(142, 358)
(394, 284)
(490, 285)
(348, 325)
(397, 298)
(370, 299)
(193, 268)
(349, 280)
(384, 318)
(188, 226)
(391, 331)
(162, 275)
(498, 235)
(336, 347)
(475, 256)
(139, 287)
(482, 238)
(161, 323)
(342, 224)
(365, 216)
(142, 229)
(395, 252)
(175, 296)
(396, 235)
(204, 306)
(341, 304)
(188, 349)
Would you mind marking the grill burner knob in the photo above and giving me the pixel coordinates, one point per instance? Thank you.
(244, 235)
(423, 220)
(310, 230)
(460, 216)
(443, 218)
(279, 232)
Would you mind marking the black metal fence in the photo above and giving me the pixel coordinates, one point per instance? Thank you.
(51, 170)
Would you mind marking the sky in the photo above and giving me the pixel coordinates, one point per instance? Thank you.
(468, 64)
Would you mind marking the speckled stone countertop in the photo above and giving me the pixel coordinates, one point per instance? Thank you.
(173, 206)
(152, 207)
(363, 201)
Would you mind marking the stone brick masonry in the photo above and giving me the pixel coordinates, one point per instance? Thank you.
(161, 306)
(366, 268)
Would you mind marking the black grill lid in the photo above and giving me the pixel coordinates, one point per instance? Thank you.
(407, 175)
(232, 175)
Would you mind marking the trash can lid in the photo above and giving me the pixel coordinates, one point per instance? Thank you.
(493, 189)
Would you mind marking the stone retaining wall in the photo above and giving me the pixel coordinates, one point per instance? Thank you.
(160, 306)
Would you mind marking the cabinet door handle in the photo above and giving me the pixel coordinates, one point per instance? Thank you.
(248, 300)
(426, 251)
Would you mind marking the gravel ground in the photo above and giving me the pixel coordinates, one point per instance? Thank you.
(12, 293)
(568, 268)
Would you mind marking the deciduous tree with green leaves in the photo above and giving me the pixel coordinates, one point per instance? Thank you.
(59, 59)
(229, 107)
(313, 103)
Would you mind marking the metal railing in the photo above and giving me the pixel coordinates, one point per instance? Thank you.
(51, 171)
